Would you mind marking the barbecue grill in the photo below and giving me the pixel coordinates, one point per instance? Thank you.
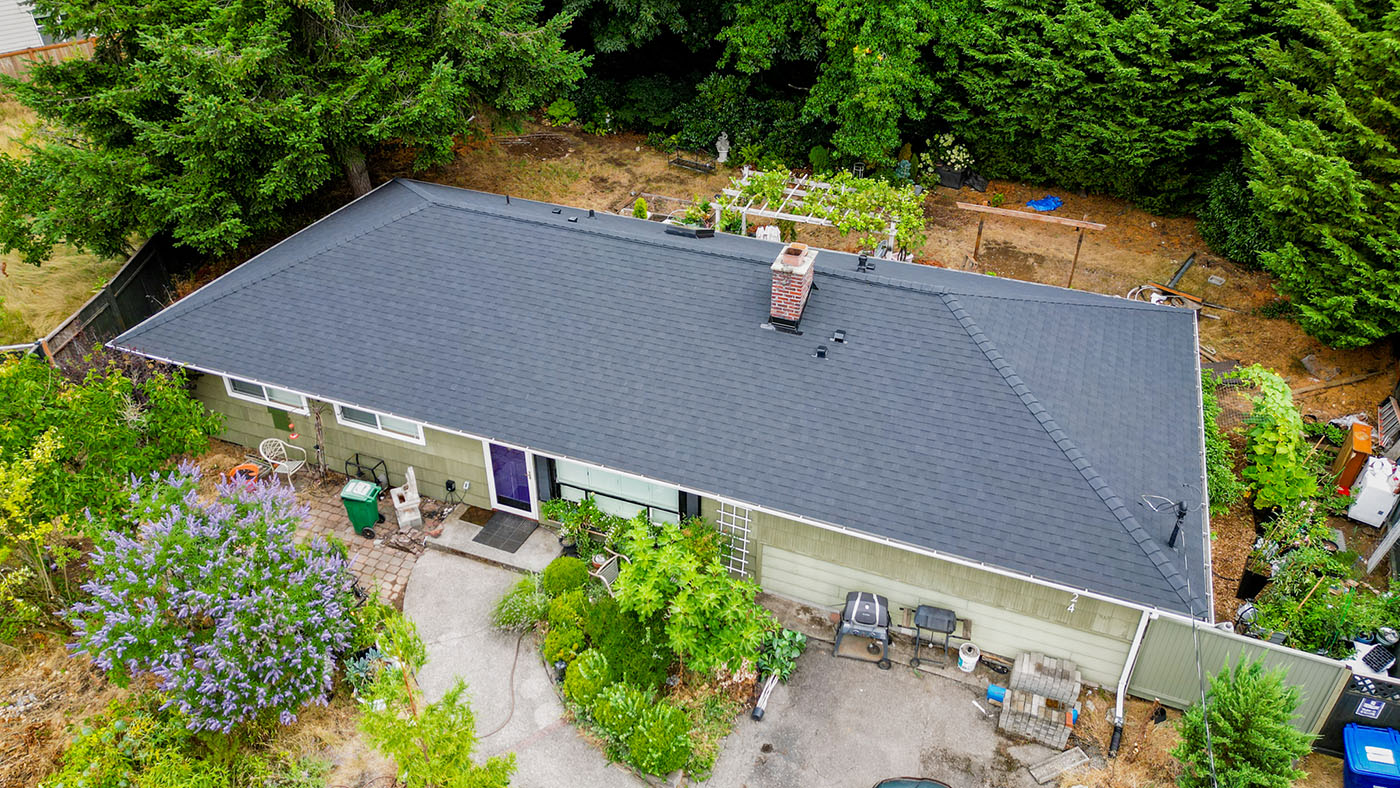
(866, 615)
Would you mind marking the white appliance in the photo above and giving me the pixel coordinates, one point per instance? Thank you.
(1375, 492)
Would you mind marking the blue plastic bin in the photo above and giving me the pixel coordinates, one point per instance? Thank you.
(1373, 757)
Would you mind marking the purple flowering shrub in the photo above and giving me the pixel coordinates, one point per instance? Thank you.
(214, 599)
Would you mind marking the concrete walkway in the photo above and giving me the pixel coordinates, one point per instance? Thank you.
(450, 598)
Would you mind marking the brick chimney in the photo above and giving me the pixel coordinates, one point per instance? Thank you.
(792, 281)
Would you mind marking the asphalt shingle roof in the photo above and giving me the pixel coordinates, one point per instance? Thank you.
(1003, 422)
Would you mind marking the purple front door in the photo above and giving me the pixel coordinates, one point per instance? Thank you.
(510, 472)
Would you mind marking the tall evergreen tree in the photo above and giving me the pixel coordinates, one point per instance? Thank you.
(1130, 99)
(1323, 157)
(1251, 743)
(209, 116)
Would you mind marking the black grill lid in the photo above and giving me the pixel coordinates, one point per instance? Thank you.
(867, 609)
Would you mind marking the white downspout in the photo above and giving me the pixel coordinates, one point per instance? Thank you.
(1123, 683)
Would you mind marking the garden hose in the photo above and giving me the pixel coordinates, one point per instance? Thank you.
(511, 713)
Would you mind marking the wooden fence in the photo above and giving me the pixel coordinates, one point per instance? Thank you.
(139, 289)
(1167, 668)
(16, 64)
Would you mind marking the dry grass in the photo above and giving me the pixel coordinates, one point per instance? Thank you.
(37, 299)
(42, 691)
(1144, 757)
(332, 734)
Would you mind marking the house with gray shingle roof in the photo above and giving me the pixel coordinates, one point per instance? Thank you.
(995, 447)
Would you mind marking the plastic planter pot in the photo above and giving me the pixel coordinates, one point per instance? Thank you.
(950, 177)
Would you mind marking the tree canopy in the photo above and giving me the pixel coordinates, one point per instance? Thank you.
(1322, 152)
(209, 118)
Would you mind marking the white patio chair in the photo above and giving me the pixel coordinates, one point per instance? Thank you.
(607, 573)
(274, 450)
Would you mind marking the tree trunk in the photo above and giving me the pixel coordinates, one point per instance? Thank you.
(353, 160)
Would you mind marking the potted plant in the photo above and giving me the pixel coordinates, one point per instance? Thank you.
(949, 161)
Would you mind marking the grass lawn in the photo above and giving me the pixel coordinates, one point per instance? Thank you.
(34, 300)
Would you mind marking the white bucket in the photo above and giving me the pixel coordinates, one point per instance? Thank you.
(968, 655)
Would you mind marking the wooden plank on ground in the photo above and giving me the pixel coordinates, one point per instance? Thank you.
(1049, 769)
(1035, 217)
(1333, 384)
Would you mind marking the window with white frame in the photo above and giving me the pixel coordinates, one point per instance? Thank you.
(379, 423)
(617, 493)
(265, 395)
(734, 524)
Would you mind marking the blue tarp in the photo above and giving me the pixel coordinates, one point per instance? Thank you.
(1047, 203)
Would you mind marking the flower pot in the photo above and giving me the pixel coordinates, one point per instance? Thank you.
(1251, 583)
(950, 177)
(598, 560)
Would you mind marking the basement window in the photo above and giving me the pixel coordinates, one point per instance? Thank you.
(380, 423)
(265, 395)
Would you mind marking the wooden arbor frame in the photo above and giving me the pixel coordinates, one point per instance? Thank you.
(793, 206)
(1079, 226)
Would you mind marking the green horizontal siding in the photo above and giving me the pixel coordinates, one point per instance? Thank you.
(443, 456)
(1009, 616)
(1166, 668)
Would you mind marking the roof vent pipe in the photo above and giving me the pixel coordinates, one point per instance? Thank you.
(821, 352)
(791, 284)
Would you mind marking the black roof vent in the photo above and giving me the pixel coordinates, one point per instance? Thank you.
(557, 210)
(590, 213)
(573, 218)
(690, 232)
(821, 352)
(839, 336)
(863, 263)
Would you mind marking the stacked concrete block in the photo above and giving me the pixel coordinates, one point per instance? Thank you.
(1041, 699)
(1053, 678)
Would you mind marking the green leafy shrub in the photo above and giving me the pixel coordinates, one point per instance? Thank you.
(360, 671)
(561, 112)
(1277, 453)
(523, 606)
(780, 650)
(1252, 742)
(134, 745)
(563, 643)
(639, 208)
(563, 575)
(1228, 221)
(569, 610)
(637, 650)
(711, 618)
(431, 743)
(369, 619)
(1309, 599)
(660, 741)
(587, 676)
(1224, 486)
(820, 159)
(618, 708)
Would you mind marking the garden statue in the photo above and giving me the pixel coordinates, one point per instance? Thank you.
(722, 147)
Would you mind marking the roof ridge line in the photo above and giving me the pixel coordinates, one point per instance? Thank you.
(580, 227)
(369, 228)
(906, 284)
(1086, 469)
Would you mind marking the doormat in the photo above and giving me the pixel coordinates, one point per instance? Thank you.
(477, 515)
(505, 532)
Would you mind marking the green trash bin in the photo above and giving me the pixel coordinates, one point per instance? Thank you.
(361, 499)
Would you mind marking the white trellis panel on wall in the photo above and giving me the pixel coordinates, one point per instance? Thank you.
(734, 523)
